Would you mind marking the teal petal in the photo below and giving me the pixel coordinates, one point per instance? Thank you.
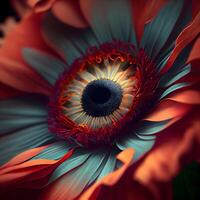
(22, 140)
(78, 157)
(96, 174)
(140, 146)
(170, 78)
(21, 112)
(78, 178)
(173, 88)
(55, 151)
(109, 165)
(183, 21)
(142, 138)
(111, 20)
(163, 58)
(146, 137)
(70, 42)
(149, 127)
(158, 31)
(48, 66)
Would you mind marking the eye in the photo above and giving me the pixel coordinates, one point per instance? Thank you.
(99, 95)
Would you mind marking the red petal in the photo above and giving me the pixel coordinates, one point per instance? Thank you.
(6, 92)
(195, 7)
(195, 53)
(185, 37)
(14, 72)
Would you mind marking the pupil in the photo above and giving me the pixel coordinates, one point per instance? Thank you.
(100, 95)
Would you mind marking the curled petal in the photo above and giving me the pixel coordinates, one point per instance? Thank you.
(66, 11)
(164, 162)
(69, 12)
(41, 5)
(185, 37)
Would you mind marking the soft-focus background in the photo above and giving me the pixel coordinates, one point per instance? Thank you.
(5, 10)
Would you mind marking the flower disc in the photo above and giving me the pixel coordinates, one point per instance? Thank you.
(98, 95)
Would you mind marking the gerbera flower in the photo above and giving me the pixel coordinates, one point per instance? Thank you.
(102, 85)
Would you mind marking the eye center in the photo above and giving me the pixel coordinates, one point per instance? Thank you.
(101, 97)
(99, 94)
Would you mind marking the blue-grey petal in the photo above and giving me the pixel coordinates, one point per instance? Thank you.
(20, 112)
(158, 31)
(140, 146)
(170, 78)
(48, 66)
(173, 88)
(112, 20)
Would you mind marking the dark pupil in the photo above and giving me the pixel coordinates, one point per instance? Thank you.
(101, 97)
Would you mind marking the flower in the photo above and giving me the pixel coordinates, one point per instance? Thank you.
(95, 97)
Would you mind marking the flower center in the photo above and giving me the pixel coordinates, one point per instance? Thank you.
(99, 95)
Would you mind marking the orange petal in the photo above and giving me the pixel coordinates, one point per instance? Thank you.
(187, 97)
(69, 12)
(14, 173)
(29, 170)
(126, 157)
(165, 161)
(167, 109)
(22, 157)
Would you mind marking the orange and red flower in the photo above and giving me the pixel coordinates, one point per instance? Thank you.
(99, 99)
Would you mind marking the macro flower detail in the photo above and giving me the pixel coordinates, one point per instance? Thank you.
(98, 96)
(89, 93)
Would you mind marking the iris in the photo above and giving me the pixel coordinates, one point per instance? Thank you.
(101, 98)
